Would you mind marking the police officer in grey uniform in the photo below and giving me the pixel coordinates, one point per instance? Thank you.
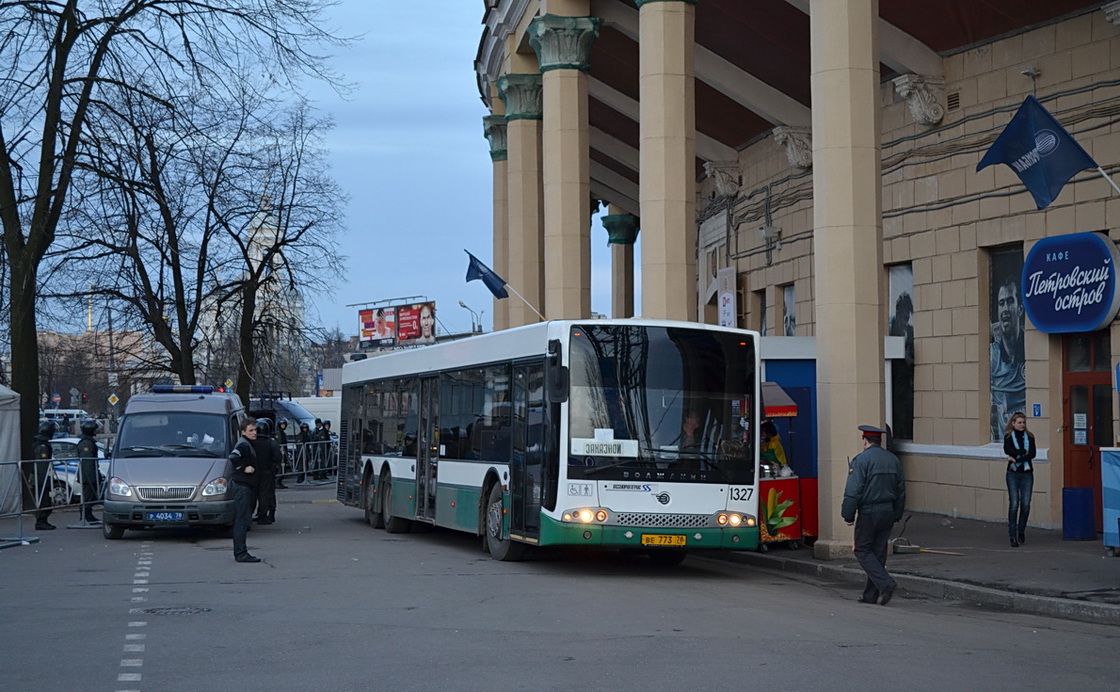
(874, 499)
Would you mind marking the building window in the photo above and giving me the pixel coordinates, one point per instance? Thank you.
(902, 371)
(760, 304)
(789, 311)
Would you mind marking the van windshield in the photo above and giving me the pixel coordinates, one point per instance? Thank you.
(173, 433)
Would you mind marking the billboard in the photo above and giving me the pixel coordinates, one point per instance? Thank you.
(416, 324)
(400, 325)
(377, 327)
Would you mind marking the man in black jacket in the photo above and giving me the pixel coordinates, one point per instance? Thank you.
(244, 480)
(38, 473)
(91, 475)
(876, 491)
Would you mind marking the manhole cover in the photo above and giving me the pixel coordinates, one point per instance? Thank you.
(190, 610)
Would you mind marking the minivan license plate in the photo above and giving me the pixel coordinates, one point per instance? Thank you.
(164, 516)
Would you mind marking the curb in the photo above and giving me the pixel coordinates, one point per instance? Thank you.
(1049, 606)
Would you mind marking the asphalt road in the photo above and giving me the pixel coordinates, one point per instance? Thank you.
(337, 605)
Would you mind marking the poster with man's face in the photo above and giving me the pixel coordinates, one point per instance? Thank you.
(1007, 350)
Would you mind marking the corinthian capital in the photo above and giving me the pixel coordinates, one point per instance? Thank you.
(563, 43)
(798, 143)
(494, 129)
(522, 95)
(923, 95)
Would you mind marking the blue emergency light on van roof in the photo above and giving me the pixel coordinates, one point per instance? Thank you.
(182, 389)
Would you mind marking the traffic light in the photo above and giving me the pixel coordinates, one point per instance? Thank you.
(85, 399)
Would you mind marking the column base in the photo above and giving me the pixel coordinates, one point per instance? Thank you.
(830, 549)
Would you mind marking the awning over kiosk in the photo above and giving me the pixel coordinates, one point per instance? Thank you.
(776, 403)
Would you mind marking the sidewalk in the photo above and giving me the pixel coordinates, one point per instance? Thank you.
(1075, 580)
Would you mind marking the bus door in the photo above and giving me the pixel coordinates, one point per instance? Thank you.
(427, 449)
(527, 481)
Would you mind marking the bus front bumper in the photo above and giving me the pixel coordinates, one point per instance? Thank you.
(555, 532)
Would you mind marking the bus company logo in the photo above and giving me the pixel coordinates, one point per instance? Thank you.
(631, 487)
(663, 498)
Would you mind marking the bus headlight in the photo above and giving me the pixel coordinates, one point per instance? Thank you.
(586, 515)
(734, 520)
(218, 486)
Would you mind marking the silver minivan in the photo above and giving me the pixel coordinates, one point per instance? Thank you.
(170, 464)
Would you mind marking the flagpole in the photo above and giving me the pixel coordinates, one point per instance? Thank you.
(1109, 179)
(511, 288)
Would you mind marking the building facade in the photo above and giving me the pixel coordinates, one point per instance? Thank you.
(808, 168)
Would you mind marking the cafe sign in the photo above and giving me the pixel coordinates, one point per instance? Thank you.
(1069, 283)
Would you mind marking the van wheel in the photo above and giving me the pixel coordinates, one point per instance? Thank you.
(392, 524)
(373, 509)
(500, 548)
(112, 532)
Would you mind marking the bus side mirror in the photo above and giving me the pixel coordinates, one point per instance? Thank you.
(556, 374)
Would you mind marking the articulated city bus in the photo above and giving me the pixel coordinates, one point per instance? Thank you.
(619, 434)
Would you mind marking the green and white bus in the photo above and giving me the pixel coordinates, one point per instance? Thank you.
(619, 434)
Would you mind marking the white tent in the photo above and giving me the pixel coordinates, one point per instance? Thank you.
(10, 498)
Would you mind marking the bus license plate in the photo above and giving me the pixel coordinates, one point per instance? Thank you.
(663, 539)
(165, 516)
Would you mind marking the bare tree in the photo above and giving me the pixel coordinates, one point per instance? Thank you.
(57, 58)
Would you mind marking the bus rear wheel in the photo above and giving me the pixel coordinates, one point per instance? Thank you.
(373, 509)
(392, 524)
(500, 548)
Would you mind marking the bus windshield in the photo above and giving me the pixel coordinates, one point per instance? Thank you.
(661, 403)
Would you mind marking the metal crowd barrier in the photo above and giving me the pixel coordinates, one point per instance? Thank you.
(33, 485)
(309, 463)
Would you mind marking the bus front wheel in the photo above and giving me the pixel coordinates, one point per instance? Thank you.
(373, 510)
(500, 548)
(392, 524)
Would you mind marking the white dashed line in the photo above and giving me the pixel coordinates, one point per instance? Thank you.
(139, 576)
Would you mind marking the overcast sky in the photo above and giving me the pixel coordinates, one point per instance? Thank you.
(408, 149)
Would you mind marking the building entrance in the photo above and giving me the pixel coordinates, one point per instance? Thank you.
(1087, 414)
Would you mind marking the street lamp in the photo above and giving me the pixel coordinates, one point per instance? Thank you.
(475, 320)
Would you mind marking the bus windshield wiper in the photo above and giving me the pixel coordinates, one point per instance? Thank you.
(597, 469)
(708, 459)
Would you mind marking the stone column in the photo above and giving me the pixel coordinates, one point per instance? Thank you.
(494, 127)
(521, 94)
(848, 239)
(563, 46)
(667, 158)
(622, 232)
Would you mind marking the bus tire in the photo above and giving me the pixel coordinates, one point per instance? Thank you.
(500, 548)
(112, 532)
(392, 524)
(372, 506)
(669, 557)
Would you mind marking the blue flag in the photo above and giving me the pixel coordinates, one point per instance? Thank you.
(478, 270)
(1039, 150)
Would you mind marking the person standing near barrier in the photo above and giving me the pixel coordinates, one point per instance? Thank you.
(1019, 446)
(87, 468)
(876, 491)
(303, 451)
(37, 475)
(327, 447)
(244, 459)
(317, 450)
(282, 443)
(267, 461)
